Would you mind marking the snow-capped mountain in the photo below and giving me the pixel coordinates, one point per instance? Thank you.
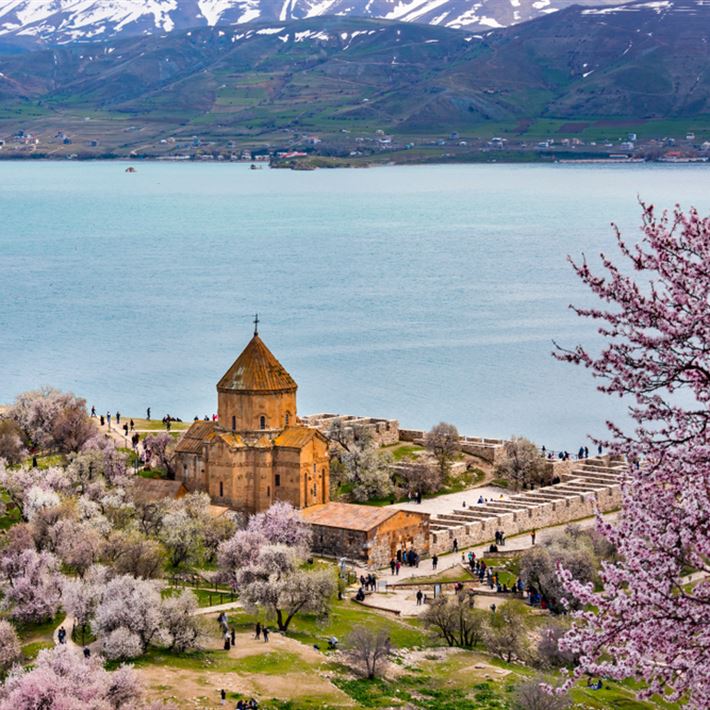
(61, 21)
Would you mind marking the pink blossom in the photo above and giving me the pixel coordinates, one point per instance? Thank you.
(651, 622)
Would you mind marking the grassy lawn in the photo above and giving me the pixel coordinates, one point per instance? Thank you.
(403, 451)
(343, 618)
(157, 424)
(35, 637)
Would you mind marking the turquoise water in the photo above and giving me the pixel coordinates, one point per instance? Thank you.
(422, 293)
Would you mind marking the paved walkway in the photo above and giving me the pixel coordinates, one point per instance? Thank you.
(453, 501)
(517, 543)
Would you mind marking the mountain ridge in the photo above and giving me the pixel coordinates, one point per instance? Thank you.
(32, 22)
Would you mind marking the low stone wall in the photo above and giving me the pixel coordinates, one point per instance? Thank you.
(553, 512)
(490, 450)
(384, 432)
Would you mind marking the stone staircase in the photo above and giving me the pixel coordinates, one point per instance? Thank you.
(591, 485)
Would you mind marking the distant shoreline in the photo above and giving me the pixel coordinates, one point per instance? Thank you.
(318, 162)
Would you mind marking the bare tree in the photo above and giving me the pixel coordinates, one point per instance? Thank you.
(368, 649)
(420, 476)
(456, 620)
(523, 466)
(505, 633)
(443, 443)
(529, 695)
(11, 447)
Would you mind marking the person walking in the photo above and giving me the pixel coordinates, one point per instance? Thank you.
(133, 425)
(222, 696)
(265, 634)
(532, 536)
(434, 561)
(147, 414)
(93, 412)
(397, 565)
(108, 420)
(258, 629)
(392, 565)
(118, 417)
(419, 597)
(456, 545)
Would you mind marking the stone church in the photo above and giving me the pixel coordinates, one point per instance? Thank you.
(257, 452)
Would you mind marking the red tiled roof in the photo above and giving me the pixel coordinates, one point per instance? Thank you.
(192, 440)
(347, 515)
(152, 490)
(256, 370)
(295, 437)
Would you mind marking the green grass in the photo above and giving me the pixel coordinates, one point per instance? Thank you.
(404, 451)
(343, 618)
(273, 663)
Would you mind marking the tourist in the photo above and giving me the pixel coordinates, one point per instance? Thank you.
(434, 561)
(223, 696)
(240, 705)
(93, 412)
(419, 597)
(102, 420)
(108, 420)
(362, 580)
(374, 582)
(233, 636)
(586, 452)
(463, 504)
(61, 634)
(419, 497)
(258, 630)
(360, 596)
(133, 425)
(227, 642)
(87, 652)
(147, 414)
(599, 449)
(392, 565)
(265, 634)
(125, 429)
(532, 536)
(118, 417)
(456, 545)
(396, 567)
(480, 500)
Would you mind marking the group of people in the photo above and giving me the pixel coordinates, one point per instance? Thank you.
(230, 635)
(369, 583)
(410, 558)
(262, 631)
(583, 453)
(241, 704)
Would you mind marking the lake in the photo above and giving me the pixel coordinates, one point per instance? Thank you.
(422, 293)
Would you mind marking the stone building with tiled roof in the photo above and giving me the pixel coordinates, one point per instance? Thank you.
(256, 452)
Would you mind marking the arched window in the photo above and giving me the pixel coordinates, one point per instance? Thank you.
(262, 422)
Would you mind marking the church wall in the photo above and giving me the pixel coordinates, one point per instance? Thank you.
(287, 466)
(247, 409)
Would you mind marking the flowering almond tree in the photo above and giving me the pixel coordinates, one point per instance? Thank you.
(650, 621)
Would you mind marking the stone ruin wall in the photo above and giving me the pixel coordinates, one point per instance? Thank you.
(557, 512)
(490, 450)
(384, 432)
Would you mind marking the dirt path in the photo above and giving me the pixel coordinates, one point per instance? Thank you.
(283, 668)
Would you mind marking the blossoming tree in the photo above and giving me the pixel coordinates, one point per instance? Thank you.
(651, 620)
